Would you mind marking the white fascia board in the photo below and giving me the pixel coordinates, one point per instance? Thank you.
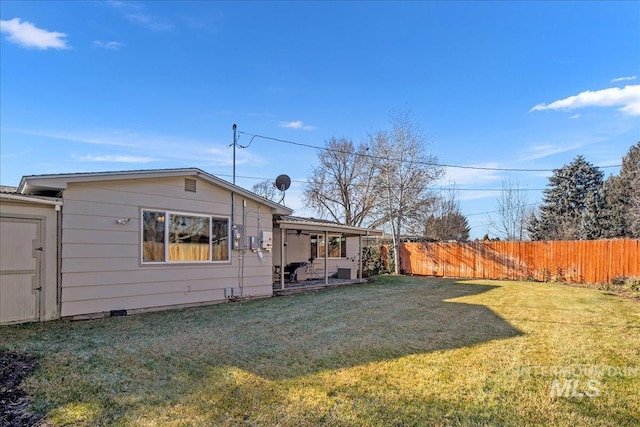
(28, 199)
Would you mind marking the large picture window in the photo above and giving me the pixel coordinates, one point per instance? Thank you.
(183, 237)
(189, 238)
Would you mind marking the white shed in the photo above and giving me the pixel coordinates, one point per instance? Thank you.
(29, 246)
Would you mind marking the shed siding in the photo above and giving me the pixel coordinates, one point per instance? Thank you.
(48, 216)
(101, 266)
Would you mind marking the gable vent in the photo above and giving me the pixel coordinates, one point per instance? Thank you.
(190, 185)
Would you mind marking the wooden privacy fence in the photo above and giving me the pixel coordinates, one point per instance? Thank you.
(584, 261)
(154, 251)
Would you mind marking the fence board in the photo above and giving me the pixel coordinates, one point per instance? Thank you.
(584, 261)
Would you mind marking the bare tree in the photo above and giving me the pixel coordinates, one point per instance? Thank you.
(266, 189)
(443, 221)
(404, 175)
(342, 185)
(513, 214)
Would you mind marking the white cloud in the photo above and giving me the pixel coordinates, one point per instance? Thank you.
(133, 12)
(131, 146)
(623, 79)
(628, 98)
(108, 45)
(149, 22)
(541, 151)
(296, 125)
(115, 158)
(575, 116)
(123, 4)
(463, 176)
(101, 137)
(28, 35)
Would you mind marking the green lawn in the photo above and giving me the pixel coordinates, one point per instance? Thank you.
(399, 351)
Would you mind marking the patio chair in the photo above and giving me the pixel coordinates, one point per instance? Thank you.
(295, 272)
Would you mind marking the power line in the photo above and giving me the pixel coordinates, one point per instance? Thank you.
(315, 147)
(439, 188)
(498, 211)
(433, 188)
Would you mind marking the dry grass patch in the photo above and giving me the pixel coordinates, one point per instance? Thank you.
(399, 351)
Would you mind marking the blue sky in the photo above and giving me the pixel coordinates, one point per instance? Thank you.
(117, 85)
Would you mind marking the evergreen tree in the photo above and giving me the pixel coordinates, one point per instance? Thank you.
(634, 212)
(617, 198)
(622, 192)
(574, 206)
(630, 177)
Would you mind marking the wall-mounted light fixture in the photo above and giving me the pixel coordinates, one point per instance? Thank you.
(122, 221)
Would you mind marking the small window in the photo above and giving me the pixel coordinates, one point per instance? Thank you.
(314, 246)
(336, 247)
(153, 236)
(220, 240)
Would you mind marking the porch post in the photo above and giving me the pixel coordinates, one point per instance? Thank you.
(283, 234)
(360, 257)
(326, 263)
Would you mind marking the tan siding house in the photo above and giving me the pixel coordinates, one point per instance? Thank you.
(150, 240)
(112, 243)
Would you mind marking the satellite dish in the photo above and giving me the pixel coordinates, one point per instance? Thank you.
(283, 182)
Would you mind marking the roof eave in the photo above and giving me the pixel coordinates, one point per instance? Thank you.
(34, 183)
(31, 199)
(317, 226)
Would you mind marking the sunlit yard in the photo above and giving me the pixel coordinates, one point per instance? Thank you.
(399, 351)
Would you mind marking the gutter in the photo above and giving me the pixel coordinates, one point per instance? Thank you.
(28, 199)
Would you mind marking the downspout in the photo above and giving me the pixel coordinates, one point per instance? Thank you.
(233, 195)
(242, 249)
(360, 257)
(282, 247)
(59, 260)
(326, 258)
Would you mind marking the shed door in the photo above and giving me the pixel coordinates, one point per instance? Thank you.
(20, 282)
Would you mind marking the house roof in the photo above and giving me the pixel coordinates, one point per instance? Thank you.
(313, 224)
(7, 189)
(46, 185)
(11, 193)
